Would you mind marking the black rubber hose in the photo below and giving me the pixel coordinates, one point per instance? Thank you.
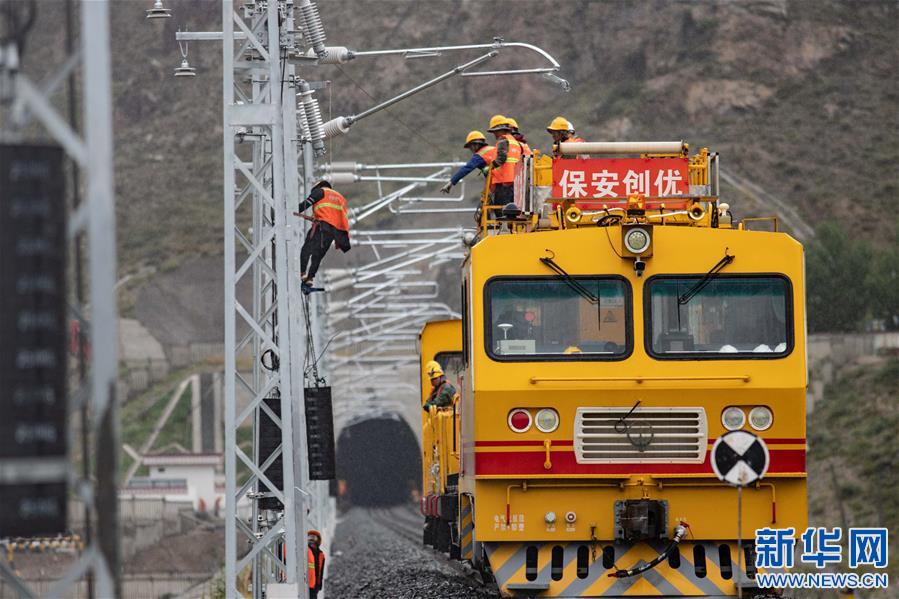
(679, 533)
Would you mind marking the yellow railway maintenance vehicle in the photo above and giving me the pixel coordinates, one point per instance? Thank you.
(617, 320)
(440, 341)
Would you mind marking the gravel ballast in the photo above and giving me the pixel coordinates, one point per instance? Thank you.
(375, 559)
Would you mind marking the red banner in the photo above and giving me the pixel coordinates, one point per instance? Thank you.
(597, 178)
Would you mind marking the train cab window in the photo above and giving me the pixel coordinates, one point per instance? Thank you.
(548, 318)
(727, 317)
(453, 366)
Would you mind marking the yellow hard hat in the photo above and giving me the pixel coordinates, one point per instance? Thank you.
(433, 369)
(498, 122)
(474, 136)
(560, 123)
(512, 123)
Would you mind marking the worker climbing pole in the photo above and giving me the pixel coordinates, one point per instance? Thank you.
(330, 225)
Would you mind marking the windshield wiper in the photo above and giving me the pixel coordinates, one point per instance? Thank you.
(705, 280)
(568, 279)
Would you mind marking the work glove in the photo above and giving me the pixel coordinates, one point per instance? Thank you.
(446, 188)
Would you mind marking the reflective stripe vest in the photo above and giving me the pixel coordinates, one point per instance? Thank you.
(332, 210)
(488, 153)
(310, 560)
(505, 174)
(316, 574)
(525, 149)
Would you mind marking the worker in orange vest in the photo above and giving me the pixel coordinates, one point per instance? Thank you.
(482, 156)
(519, 137)
(561, 130)
(315, 559)
(329, 224)
(508, 155)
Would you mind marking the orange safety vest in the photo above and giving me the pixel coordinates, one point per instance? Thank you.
(332, 210)
(505, 174)
(310, 560)
(525, 148)
(315, 573)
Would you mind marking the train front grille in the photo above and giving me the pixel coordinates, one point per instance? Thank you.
(647, 435)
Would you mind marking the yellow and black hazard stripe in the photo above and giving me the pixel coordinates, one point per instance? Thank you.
(466, 528)
(701, 569)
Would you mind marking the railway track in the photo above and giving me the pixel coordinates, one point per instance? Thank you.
(407, 523)
(400, 519)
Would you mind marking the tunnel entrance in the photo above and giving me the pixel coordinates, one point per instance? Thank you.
(379, 462)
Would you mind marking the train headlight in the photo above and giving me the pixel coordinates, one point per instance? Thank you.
(760, 418)
(637, 240)
(733, 418)
(519, 420)
(547, 420)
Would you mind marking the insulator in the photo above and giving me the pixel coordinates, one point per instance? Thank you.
(313, 117)
(336, 167)
(342, 178)
(336, 127)
(315, 31)
(332, 55)
(302, 122)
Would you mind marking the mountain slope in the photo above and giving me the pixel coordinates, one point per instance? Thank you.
(799, 97)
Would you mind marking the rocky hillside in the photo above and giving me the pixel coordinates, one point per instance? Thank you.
(799, 96)
(852, 451)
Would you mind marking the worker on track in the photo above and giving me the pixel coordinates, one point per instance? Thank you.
(519, 137)
(329, 225)
(562, 130)
(443, 394)
(482, 155)
(508, 155)
(315, 558)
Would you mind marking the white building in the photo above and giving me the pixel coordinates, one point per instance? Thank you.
(182, 477)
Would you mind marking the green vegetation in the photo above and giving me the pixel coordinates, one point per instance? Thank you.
(852, 451)
(850, 281)
(140, 415)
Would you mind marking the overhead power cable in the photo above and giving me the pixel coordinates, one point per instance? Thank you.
(387, 110)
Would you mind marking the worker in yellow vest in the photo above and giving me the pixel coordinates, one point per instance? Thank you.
(330, 224)
(508, 155)
(482, 155)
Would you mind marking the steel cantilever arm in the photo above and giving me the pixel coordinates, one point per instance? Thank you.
(498, 44)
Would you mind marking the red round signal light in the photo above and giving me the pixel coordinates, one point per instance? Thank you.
(519, 420)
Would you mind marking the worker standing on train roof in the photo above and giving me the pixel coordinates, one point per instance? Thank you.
(442, 392)
(508, 155)
(561, 130)
(519, 137)
(315, 559)
(329, 225)
(482, 155)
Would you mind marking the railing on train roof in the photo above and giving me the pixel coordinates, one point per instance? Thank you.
(653, 182)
